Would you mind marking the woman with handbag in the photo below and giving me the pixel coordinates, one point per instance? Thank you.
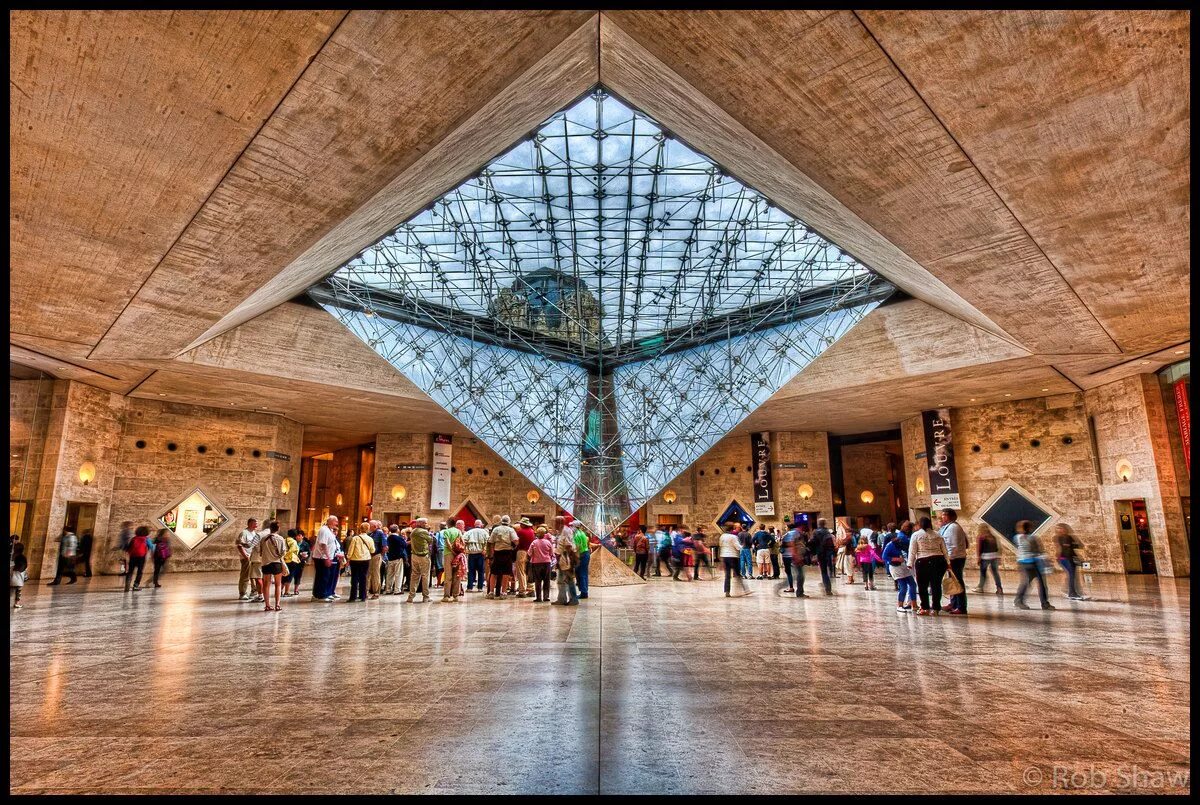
(358, 551)
(162, 552)
(1069, 549)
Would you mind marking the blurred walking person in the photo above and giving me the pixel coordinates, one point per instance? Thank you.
(162, 552)
(987, 551)
(1029, 565)
(1069, 547)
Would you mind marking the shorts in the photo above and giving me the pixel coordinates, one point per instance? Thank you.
(763, 556)
(273, 569)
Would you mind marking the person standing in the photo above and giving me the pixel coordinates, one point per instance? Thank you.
(291, 563)
(162, 552)
(305, 555)
(525, 535)
(762, 551)
(641, 552)
(1029, 564)
(139, 546)
(396, 550)
(866, 556)
(1068, 558)
(845, 553)
(775, 552)
(787, 549)
(272, 549)
(928, 556)
(245, 544)
(325, 553)
(454, 547)
(123, 538)
(541, 555)
(68, 550)
(745, 556)
(420, 543)
(359, 550)
(583, 548)
(987, 550)
(85, 553)
(566, 556)
(501, 549)
(897, 562)
(256, 577)
(18, 572)
(375, 574)
(476, 540)
(956, 546)
(824, 548)
(730, 545)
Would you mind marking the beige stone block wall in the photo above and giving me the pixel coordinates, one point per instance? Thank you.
(1131, 424)
(865, 467)
(912, 437)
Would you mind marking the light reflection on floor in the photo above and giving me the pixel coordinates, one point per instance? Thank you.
(667, 687)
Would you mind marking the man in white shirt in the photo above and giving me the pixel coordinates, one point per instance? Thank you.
(245, 546)
(325, 552)
(476, 541)
(731, 551)
(956, 545)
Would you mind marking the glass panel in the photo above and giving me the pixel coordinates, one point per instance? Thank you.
(193, 519)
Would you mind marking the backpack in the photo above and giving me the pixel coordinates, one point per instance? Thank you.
(162, 549)
(137, 546)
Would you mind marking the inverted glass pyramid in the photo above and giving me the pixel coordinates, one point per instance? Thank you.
(600, 305)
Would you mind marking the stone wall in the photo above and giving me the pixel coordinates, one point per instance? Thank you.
(865, 467)
(916, 468)
(1130, 422)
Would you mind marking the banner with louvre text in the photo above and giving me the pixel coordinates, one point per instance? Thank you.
(939, 453)
(764, 495)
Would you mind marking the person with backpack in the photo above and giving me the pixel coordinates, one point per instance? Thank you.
(824, 549)
(794, 551)
(136, 550)
(1029, 564)
(700, 555)
(162, 552)
(566, 556)
(662, 555)
(896, 559)
(762, 551)
(641, 552)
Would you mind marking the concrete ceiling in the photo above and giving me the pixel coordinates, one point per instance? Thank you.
(177, 177)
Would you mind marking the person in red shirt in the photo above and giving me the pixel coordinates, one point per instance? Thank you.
(525, 536)
(137, 549)
(641, 552)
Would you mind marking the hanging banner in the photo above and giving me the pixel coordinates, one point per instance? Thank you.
(439, 487)
(1184, 410)
(939, 448)
(764, 497)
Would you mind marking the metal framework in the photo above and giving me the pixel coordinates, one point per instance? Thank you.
(601, 304)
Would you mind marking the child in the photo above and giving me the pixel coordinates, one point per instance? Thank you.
(20, 566)
(460, 569)
(867, 556)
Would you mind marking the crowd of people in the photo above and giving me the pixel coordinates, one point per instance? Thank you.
(503, 561)
(920, 560)
(520, 560)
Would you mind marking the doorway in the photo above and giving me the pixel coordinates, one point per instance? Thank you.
(81, 517)
(534, 519)
(401, 519)
(1133, 529)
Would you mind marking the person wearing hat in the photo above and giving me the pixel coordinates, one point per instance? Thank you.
(420, 541)
(502, 544)
(541, 556)
(454, 547)
(525, 535)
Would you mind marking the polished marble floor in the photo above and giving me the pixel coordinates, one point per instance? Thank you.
(659, 688)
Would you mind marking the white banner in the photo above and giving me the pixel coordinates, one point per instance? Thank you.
(439, 487)
(764, 509)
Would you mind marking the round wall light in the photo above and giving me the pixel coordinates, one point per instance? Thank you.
(286, 486)
(1124, 469)
(87, 472)
(339, 500)
(867, 496)
(669, 496)
(399, 492)
(920, 486)
(533, 496)
(805, 491)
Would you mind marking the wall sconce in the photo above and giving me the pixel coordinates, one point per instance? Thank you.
(867, 497)
(669, 496)
(87, 472)
(398, 492)
(339, 500)
(1124, 470)
(533, 496)
(920, 486)
(285, 487)
(805, 491)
